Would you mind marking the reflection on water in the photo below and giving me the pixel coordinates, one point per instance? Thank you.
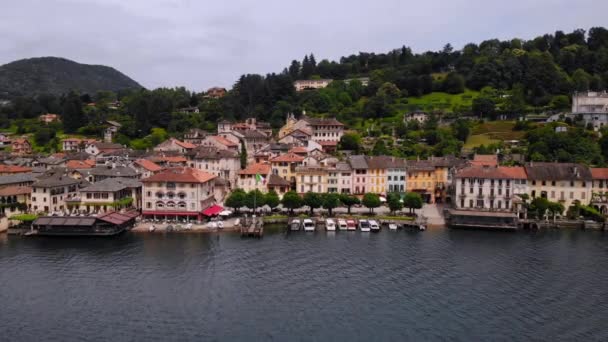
(404, 285)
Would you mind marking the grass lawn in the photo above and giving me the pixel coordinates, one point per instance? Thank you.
(478, 140)
(442, 101)
(497, 130)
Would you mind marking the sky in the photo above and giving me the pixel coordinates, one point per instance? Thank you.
(200, 44)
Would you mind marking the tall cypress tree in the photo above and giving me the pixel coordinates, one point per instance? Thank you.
(72, 114)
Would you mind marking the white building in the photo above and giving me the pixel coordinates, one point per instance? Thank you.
(592, 106)
(489, 188)
(301, 85)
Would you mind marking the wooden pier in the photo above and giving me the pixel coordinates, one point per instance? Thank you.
(252, 228)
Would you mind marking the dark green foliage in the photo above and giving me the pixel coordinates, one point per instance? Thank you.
(236, 199)
(371, 201)
(412, 200)
(291, 200)
(575, 145)
(272, 199)
(52, 75)
(72, 114)
(313, 200)
(330, 201)
(394, 202)
(349, 201)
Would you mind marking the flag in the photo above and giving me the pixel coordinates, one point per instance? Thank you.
(259, 178)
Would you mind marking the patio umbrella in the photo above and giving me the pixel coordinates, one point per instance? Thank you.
(225, 213)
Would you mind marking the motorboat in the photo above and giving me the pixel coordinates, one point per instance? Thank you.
(152, 228)
(364, 226)
(351, 224)
(342, 225)
(374, 226)
(220, 224)
(330, 225)
(309, 225)
(392, 226)
(295, 224)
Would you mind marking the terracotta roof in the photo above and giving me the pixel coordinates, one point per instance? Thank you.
(15, 190)
(180, 175)
(327, 143)
(599, 173)
(485, 159)
(80, 164)
(262, 169)
(287, 158)
(148, 165)
(204, 152)
(493, 172)
(14, 169)
(224, 141)
(298, 149)
(184, 144)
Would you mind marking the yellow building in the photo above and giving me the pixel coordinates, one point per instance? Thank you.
(285, 166)
(311, 178)
(560, 182)
(421, 178)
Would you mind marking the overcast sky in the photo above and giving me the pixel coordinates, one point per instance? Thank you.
(203, 43)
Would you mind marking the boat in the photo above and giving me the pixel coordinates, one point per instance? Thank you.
(351, 224)
(295, 224)
(374, 226)
(392, 226)
(309, 225)
(220, 224)
(330, 225)
(364, 225)
(152, 228)
(342, 225)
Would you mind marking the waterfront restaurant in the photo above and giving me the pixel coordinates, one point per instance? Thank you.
(178, 193)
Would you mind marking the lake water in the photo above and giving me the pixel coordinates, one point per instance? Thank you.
(432, 285)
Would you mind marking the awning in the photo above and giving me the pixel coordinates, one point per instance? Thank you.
(213, 210)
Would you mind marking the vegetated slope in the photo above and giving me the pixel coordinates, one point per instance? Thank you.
(53, 75)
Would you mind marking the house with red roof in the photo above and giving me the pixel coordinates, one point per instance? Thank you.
(220, 143)
(21, 146)
(13, 169)
(146, 167)
(180, 192)
(285, 166)
(174, 145)
(255, 176)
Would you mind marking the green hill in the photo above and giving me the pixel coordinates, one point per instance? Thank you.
(57, 76)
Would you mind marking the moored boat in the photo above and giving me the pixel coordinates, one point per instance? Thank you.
(392, 226)
(342, 225)
(330, 225)
(364, 226)
(309, 225)
(374, 226)
(351, 225)
(295, 224)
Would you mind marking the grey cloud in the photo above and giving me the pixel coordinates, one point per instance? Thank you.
(203, 43)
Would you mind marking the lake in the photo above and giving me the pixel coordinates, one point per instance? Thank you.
(434, 285)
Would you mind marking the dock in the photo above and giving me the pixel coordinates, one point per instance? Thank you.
(252, 228)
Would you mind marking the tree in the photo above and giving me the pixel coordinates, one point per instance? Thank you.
(581, 80)
(394, 202)
(291, 200)
(371, 201)
(461, 129)
(485, 107)
(412, 200)
(272, 199)
(453, 83)
(351, 142)
(72, 115)
(330, 201)
(312, 200)
(380, 148)
(560, 102)
(255, 199)
(349, 201)
(243, 156)
(236, 199)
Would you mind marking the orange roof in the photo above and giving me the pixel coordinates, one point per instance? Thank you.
(180, 175)
(287, 158)
(14, 169)
(148, 165)
(224, 141)
(183, 144)
(599, 173)
(493, 172)
(253, 169)
(298, 149)
(58, 155)
(15, 190)
(485, 159)
(80, 164)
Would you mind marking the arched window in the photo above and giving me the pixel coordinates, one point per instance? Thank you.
(160, 205)
(182, 205)
(159, 194)
(181, 195)
(170, 194)
(170, 205)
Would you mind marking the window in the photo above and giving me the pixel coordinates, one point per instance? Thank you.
(470, 203)
(552, 183)
(552, 194)
(583, 195)
(148, 205)
(462, 203)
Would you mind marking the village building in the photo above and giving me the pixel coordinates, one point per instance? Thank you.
(420, 117)
(278, 185)
(48, 118)
(248, 177)
(599, 198)
(191, 110)
(14, 200)
(311, 179)
(51, 192)
(221, 143)
(485, 160)
(592, 106)
(560, 182)
(340, 178)
(296, 137)
(254, 140)
(5, 140)
(110, 131)
(21, 146)
(302, 85)
(490, 188)
(359, 167)
(320, 130)
(98, 148)
(109, 194)
(146, 168)
(195, 136)
(17, 179)
(174, 145)
(100, 173)
(215, 92)
(178, 193)
(75, 144)
(13, 169)
(285, 166)
(80, 164)
(223, 163)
